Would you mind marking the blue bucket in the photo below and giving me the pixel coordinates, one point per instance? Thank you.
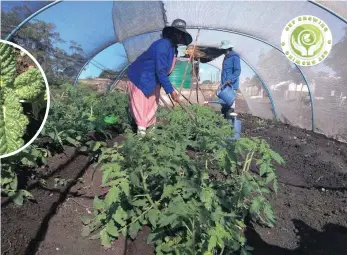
(227, 94)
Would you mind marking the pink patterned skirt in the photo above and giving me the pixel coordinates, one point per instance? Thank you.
(143, 108)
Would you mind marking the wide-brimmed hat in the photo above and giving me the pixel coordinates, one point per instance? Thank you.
(226, 45)
(179, 25)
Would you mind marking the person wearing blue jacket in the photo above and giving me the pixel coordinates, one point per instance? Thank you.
(231, 71)
(150, 71)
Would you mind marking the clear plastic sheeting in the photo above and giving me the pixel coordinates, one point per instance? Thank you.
(254, 98)
(330, 94)
(64, 37)
(88, 23)
(135, 18)
(262, 19)
(15, 12)
(68, 34)
(254, 94)
(339, 7)
(329, 79)
(286, 84)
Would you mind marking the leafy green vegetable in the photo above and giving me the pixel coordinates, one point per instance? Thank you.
(7, 65)
(12, 123)
(28, 85)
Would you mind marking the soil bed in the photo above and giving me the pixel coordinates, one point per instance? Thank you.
(311, 205)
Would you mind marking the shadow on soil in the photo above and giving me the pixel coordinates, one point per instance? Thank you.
(331, 240)
(41, 233)
(35, 184)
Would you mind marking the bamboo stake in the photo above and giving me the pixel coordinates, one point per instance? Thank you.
(167, 106)
(190, 59)
(172, 102)
(190, 114)
(197, 88)
(184, 97)
(191, 88)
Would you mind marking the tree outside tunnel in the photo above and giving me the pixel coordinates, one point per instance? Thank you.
(41, 39)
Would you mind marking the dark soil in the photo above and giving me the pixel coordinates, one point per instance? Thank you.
(311, 205)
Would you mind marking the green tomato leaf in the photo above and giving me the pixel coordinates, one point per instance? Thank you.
(134, 229)
(277, 157)
(125, 187)
(212, 243)
(14, 182)
(98, 204)
(27, 194)
(105, 239)
(112, 196)
(134, 179)
(167, 220)
(206, 198)
(84, 148)
(72, 141)
(275, 186)
(152, 237)
(168, 190)
(263, 169)
(86, 220)
(140, 202)
(112, 229)
(86, 231)
(18, 198)
(94, 237)
(256, 205)
(120, 216)
(153, 216)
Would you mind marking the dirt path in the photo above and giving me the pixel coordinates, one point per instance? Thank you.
(51, 225)
(311, 205)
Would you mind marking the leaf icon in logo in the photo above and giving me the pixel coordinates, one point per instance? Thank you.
(307, 38)
(299, 46)
(314, 47)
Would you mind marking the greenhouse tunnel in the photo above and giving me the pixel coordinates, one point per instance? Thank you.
(312, 98)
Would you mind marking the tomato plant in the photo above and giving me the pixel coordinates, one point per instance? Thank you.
(153, 180)
(73, 114)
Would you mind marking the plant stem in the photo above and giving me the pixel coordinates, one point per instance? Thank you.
(222, 251)
(148, 209)
(185, 224)
(146, 189)
(140, 195)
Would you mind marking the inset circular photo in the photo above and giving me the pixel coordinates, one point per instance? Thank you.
(24, 99)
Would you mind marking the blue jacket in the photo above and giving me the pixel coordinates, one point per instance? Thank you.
(231, 69)
(153, 66)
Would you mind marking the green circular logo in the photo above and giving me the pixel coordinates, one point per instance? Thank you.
(306, 40)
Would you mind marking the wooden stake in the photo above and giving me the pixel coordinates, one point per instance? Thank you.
(190, 59)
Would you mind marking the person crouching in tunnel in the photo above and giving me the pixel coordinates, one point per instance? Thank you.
(231, 71)
(150, 71)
